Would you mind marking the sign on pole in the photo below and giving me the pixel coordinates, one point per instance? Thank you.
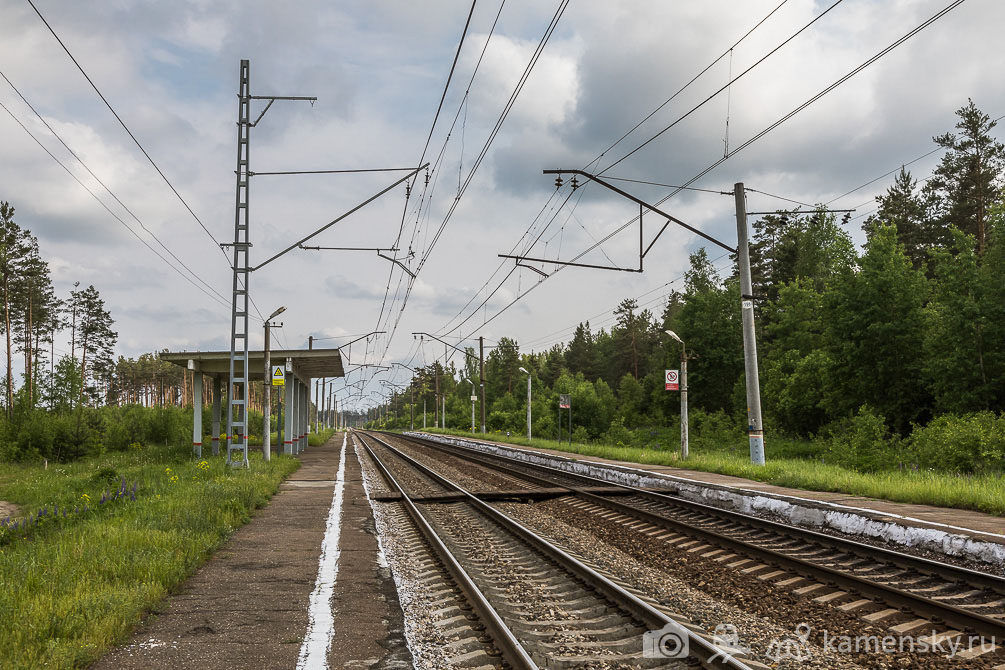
(672, 380)
(278, 375)
(564, 401)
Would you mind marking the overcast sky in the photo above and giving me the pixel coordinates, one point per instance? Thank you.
(170, 70)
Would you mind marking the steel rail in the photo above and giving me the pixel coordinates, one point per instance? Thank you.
(938, 612)
(974, 578)
(512, 651)
(709, 654)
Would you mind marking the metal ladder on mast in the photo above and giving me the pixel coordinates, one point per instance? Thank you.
(237, 396)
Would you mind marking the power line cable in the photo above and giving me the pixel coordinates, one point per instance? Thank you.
(725, 87)
(435, 171)
(778, 197)
(140, 146)
(484, 151)
(688, 84)
(425, 148)
(693, 79)
(795, 111)
(104, 186)
(753, 139)
(441, 330)
(126, 128)
(107, 208)
(618, 141)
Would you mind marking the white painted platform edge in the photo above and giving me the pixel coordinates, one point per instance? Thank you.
(800, 511)
(321, 619)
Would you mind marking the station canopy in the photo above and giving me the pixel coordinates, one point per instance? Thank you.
(307, 363)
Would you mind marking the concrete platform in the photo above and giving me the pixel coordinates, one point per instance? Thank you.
(251, 604)
(955, 532)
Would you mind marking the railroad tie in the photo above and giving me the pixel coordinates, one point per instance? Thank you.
(808, 590)
(854, 605)
(830, 596)
(755, 568)
(911, 626)
(980, 650)
(881, 615)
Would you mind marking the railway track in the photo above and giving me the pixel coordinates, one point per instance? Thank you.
(908, 594)
(539, 606)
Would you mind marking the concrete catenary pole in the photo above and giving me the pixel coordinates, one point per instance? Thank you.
(755, 429)
(481, 369)
(528, 401)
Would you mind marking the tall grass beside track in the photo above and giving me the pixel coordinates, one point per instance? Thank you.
(981, 492)
(71, 587)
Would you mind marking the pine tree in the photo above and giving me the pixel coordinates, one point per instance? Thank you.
(14, 249)
(95, 330)
(968, 180)
(710, 324)
(579, 356)
(875, 327)
(954, 342)
(907, 211)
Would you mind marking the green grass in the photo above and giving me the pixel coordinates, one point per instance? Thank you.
(984, 493)
(71, 588)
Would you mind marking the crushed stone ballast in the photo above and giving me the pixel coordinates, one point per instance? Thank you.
(893, 528)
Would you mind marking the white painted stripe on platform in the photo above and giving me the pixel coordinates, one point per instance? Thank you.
(321, 621)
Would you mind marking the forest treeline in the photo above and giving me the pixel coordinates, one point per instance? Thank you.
(893, 354)
(62, 385)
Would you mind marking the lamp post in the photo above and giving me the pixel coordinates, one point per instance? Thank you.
(267, 390)
(527, 372)
(683, 394)
(473, 396)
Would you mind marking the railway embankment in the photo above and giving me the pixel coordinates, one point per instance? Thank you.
(966, 535)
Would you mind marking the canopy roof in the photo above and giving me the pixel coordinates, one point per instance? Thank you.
(307, 363)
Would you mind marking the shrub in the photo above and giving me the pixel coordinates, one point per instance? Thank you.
(617, 435)
(969, 443)
(863, 442)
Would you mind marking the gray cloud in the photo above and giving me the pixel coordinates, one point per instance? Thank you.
(378, 70)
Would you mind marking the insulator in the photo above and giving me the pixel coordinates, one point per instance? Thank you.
(574, 183)
(427, 176)
(558, 181)
(408, 190)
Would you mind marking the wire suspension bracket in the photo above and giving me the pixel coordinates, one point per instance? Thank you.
(643, 206)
